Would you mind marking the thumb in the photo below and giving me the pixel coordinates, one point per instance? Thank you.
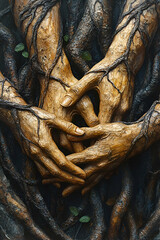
(89, 133)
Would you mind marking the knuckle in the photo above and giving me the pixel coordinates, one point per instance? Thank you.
(75, 90)
(70, 127)
(125, 107)
(43, 144)
(55, 173)
(62, 165)
(34, 150)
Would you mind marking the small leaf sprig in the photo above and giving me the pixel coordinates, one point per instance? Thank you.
(86, 56)
(85, 219)
(21, 48)
(66, 38)
(75, 212)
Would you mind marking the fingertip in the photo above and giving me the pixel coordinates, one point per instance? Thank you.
(79, 131)
(79, 173)
(67, 101)
(57, 185)
(84, 191)
(80, 181)
(66, 192)
(51, 181)
(69, 190)
(82, 174)
(44, 182)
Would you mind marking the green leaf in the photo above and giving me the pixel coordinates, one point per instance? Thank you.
(25, 54)
(20, 47)
(66, 38)
(85, 219)
(74, 211)
(86, 56)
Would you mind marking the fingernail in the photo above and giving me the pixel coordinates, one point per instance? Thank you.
(67, 101)
(79, 131)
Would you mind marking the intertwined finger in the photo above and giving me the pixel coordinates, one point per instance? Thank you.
(79, 89)
(109, 100)
(86, 110)
(57, 172)
(64, 142)
(95, 168)
(92, 181)
(90, 133)
(107, 166)
(46, 175)
(67, 127)
(51, 180)
(77, 146)
(43, 171)
(89, 184)
(89, 155)
(69, 190)
(61, 161)
(70, 146)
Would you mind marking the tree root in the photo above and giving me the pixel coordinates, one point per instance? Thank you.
(5, 11)
(9, 228)
(152, 226)
(16, 208)
(132, 225)
(98, 216)
(36, 200)
(121, 206)
(152, 84)
(97, 17)
(8, 41)
(8, 166)
(72, 220)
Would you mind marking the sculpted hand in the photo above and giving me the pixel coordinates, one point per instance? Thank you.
(55, 63)
(51, 61)
(52, 100)
(113, 77)
(32, 128)
(115, 90)
(38, 144)
(113, 144)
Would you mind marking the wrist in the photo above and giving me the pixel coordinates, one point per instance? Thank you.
(9, 99)
(146, 132)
